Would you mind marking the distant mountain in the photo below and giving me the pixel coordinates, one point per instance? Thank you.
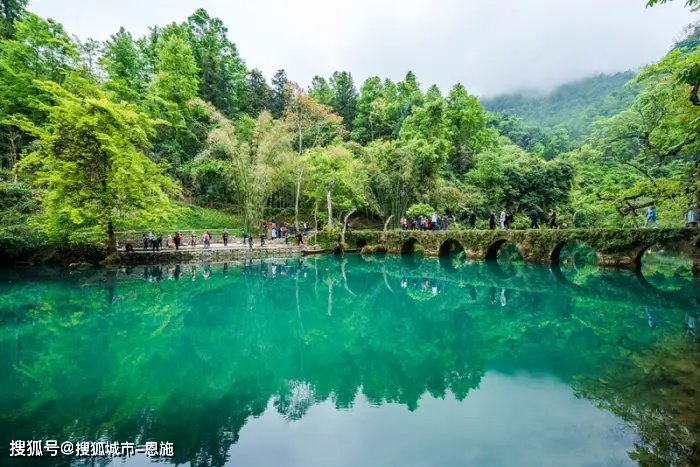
(574, 105)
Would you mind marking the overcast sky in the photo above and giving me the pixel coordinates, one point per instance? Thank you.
(490, 46)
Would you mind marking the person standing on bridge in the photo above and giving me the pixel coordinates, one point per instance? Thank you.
(194, 239)
(504, 216)
(225, 237)
(403, 223)
(434, 222)
(534, 215)
(177, 240)
(553, 219)
(445, 223)
(250, 241)
(472, 220)
(262, 238)
(651, 216)
(690, 219)
(492, 220)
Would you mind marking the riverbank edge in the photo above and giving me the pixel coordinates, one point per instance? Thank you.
(54, 255)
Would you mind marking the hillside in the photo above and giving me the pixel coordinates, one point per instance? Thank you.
(575, 105)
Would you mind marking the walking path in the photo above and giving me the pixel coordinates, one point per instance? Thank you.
(238, 246)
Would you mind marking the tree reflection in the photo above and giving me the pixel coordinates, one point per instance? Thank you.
(136, 356)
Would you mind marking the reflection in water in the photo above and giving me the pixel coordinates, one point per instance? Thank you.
(382, 363)
(577, 262)
(508, 258)
(666, 267)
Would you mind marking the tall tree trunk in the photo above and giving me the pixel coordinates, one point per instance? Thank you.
(345, 224)
(386, 226)
(111, 239)
(300, 168)
(328, 199)
(13, 137)
(14, 160)
(315, 222)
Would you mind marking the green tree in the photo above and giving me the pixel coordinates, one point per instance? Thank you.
(404, 98)
(125, 66)
(466, 128)
(279, 94)
(689, 3)
(344, 97)
(90, 52)
(335, 179)
(40, 50)
(10, 11)
(321, 91)
(222, 73)
(259, 93)
(315, 125)
(392, 181)
(365, 126)
(424, 135)
(176, 79)
(89, 159)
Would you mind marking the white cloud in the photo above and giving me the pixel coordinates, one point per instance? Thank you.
(491, 47)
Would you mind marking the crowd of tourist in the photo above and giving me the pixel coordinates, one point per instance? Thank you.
(282, 232)
(436, 222)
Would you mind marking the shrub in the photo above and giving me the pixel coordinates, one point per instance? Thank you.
(420, 209)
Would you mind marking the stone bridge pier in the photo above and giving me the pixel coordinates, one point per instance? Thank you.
(614, 247)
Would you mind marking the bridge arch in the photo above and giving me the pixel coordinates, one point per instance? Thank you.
(361, 243)
(556, 252)
(492, 251)
(450, 247)
(408, 247)
(669, 268)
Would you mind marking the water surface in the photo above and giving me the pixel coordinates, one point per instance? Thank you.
(329, 361)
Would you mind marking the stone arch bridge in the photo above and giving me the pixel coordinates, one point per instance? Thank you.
(614, 247)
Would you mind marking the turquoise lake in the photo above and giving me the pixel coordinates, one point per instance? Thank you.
(354, 361)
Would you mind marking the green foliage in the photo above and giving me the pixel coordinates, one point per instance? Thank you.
(10, 11)
(279, 95)
(420, 210)
(126, 67)
(344, 97)
(321, 91)
(89, 162)
(259, 93)
(596, 151)
(575, 105)
(222, 73)
(176, 80)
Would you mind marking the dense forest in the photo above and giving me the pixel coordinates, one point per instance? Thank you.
(574, 106)
(118, 135)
